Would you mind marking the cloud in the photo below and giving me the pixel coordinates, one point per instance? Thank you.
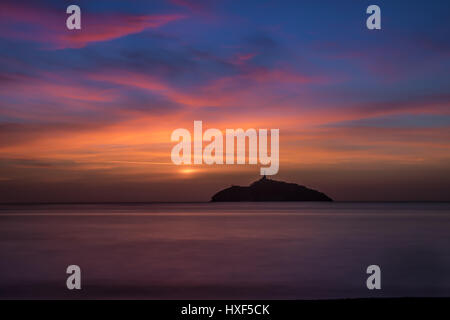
(242, 58)
(400, 121)
(47, 25)
(104, 28)
(249, 88)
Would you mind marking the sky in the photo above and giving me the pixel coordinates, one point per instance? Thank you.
(86, 115)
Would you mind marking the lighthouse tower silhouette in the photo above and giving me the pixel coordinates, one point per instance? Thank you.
(264, 176)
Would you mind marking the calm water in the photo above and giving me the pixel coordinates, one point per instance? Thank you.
(230, 251)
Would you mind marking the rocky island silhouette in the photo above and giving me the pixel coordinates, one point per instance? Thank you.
(269, 190)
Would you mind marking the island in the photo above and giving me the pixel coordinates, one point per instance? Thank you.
(266, 189)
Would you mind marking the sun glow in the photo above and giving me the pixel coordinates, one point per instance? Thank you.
(188, 171)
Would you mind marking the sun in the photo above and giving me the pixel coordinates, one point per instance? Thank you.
(188, 171)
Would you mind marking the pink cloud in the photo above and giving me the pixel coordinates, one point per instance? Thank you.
(252, 88)
(242, 58)
(54, 86)
(49, 26)
(103, 28)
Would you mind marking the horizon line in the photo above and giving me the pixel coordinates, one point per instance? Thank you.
(204, 202)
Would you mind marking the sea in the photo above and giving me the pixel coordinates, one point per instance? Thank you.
(273, 250)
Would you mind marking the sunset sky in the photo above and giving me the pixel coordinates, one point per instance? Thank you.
(86, 115)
